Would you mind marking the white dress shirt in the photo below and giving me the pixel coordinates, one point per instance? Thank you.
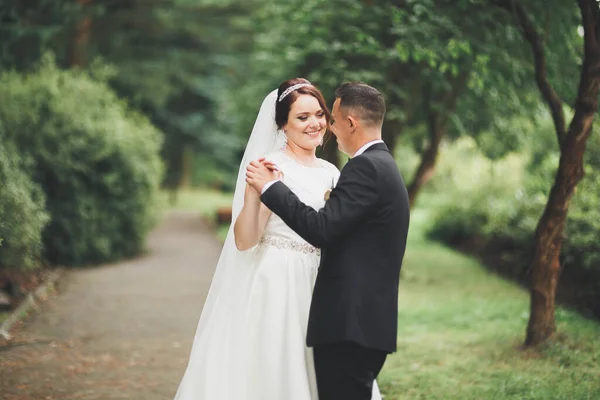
(358, 153)
(365, 147)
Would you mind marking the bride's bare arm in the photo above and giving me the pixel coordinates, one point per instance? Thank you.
(251, 222)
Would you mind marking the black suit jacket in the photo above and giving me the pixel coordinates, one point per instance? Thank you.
(362, 235)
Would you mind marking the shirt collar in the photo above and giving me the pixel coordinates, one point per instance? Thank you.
(366, 146)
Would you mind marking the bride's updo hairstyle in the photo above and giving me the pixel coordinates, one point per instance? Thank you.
(287, 95)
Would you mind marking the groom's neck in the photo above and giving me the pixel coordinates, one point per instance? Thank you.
(364, 138)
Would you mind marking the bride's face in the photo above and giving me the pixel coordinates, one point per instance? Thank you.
(306, 123)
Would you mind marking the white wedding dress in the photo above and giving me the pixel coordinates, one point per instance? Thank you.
(280, 366)
(251, 339)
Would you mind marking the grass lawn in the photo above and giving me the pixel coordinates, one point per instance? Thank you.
(461, 329)
(204, 201)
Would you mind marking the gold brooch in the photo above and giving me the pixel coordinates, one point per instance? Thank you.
(327, 194)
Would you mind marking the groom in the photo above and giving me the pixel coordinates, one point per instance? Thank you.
(362, 233)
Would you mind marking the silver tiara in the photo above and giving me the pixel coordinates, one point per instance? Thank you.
(291, 89)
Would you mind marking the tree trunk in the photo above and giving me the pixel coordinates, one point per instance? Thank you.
(437, 130)
(81, 38)
(550, 229)
(187, 164)
(550, 96)
(439, 116)
(549, 233)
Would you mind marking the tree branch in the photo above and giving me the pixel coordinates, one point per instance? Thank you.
(550, 96)
(589, 17)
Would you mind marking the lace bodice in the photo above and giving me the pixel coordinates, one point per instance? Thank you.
(308, 183)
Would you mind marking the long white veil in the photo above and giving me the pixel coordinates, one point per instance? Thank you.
(216, 348)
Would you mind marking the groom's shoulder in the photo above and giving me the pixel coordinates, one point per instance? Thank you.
(362, 164)
(378, 156)
(377, 162)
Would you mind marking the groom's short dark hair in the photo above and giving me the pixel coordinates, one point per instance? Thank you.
(366, 101)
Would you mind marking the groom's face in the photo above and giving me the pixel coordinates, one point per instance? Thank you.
(339, 127)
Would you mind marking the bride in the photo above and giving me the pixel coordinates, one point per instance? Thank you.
(250, 343)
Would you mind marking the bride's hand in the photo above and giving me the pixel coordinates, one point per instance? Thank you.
(258, 174)
(272, 167)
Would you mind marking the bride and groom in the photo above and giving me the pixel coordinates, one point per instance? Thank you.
(303, 303)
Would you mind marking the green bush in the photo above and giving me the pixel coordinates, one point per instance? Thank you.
(582, 247)
(207, 174)
(96, 160)
(456, 223)
(22, 214)
(477, 195)
(500, 206)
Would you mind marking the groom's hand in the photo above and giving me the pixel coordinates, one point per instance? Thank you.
(260, 172)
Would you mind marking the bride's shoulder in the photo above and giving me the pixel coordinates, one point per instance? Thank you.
(275, 156)
(329, 166)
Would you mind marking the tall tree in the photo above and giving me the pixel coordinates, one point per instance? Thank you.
(439, 112)
(572, 142)
(468, 72)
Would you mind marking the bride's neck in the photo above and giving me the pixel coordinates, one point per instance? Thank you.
(304, 156)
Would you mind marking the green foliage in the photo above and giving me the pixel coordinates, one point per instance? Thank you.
(479, 195)
(174, 61)
(502, 207)
(30, 28)
(176, 66)
(22, 213)
(207, 173)
(95, 159)
(425, 57)
(582, 247)
(407, 160)
(456, 223)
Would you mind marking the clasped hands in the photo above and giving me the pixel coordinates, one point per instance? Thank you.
(260, 172)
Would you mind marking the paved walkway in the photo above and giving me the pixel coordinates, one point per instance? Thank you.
(120, 331)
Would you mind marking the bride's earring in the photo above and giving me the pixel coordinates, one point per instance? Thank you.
(284, 143)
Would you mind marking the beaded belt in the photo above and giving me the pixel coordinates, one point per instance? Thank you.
(282, 243)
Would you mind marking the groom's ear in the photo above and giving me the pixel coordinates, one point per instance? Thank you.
(353, 122)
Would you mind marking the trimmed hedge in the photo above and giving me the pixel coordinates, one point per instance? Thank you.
(22, 214)
(96, 160)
